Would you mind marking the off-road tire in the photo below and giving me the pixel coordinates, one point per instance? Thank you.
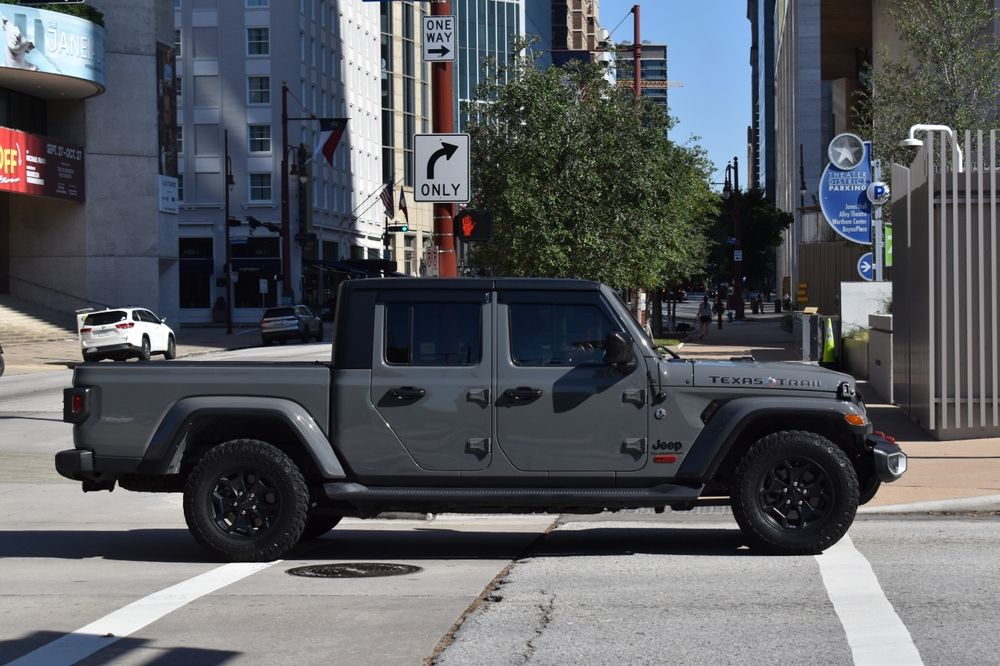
(262, 475)
(171, 352)
(318, 524)
(144, 350)
(770, 479)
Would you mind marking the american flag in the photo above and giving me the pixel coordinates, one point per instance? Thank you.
(402, 205)
(390, 212)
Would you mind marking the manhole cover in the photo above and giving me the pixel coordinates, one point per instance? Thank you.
(354, 570)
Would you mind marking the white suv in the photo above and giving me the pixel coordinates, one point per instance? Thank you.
(122, 333)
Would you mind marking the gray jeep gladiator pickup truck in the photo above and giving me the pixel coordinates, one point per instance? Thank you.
(479, 395)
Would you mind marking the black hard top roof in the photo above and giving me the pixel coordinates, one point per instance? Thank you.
(474, 283)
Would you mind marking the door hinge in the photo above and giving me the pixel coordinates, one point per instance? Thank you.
(635, 396)
(635, 446)
(478, 446)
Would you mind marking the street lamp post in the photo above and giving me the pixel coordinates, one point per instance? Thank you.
(286, 236)
(732, 189)
(230, 182)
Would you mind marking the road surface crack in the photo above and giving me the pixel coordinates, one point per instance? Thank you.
(545, 618)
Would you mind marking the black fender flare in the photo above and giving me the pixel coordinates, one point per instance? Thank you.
(732, 418)
(168, 443)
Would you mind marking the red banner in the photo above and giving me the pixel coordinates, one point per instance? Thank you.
(36, 165)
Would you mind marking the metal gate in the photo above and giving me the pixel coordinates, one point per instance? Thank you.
(945, 292)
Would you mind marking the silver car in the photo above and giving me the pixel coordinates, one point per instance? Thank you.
(290, 322)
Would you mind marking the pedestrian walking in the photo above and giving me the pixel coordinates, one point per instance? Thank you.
(704, 317)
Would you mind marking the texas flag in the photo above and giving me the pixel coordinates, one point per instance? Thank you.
(330, 131)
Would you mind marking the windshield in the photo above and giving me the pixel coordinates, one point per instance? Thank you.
(279, 312)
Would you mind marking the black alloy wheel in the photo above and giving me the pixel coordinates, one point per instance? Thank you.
(246, 501)
(794, 493)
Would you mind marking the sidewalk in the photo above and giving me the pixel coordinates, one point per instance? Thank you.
(22, 359)
(943, 476)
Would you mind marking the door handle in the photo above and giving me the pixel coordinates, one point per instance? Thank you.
(480, 396)
(407, 393)
(478, 446)
(522, 394)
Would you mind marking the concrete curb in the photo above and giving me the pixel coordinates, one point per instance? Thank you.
(960, 505)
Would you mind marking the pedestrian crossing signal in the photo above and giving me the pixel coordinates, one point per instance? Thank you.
(474, 225)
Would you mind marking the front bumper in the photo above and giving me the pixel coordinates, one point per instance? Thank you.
(889, 460)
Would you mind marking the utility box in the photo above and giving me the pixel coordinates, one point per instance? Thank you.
(880, 355)
(805, 330)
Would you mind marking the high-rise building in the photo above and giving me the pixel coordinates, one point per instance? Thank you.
(406, 109)
(232, 61)
(486, 30)
(760, 13)
(654, 82)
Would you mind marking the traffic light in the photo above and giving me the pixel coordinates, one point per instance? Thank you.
(474, 225)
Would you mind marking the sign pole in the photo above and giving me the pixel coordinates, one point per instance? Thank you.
(877, 221)
(443, 122)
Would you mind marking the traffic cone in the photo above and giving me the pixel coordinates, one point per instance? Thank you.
(829, 347)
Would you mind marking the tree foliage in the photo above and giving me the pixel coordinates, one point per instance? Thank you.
(583, 182)
(761, 228)
(948, 74)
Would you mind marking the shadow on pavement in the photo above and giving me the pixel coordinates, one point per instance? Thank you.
(614, 541)
(152, 656)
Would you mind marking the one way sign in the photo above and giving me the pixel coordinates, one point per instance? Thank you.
(439, 39)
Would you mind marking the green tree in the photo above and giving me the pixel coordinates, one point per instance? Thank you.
(583, 182)
(947, 75)
(761, 227)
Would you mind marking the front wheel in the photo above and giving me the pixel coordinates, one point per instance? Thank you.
(246, 501)
(171, 352)
(794, 493)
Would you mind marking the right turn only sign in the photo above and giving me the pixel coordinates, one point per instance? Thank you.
(441, 167)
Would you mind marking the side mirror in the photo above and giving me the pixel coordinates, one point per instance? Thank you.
(617, 349)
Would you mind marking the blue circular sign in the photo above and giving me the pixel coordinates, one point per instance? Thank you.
(866, 266)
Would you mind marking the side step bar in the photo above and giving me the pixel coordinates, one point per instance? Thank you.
(514, 497)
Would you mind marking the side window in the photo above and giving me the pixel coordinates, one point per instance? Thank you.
(136, 315)
(565, 334)
(433, 333)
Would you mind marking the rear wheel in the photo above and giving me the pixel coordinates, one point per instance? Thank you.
(794, 493)
(246, 501)
(144, 350)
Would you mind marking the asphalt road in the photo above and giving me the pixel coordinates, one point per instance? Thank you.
(117, 577)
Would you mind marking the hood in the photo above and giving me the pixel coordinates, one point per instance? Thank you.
(779, 375)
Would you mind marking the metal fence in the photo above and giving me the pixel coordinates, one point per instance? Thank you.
(945, 289)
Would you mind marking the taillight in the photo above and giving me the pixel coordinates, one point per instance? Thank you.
(76, 404)
(124, 325)
(86, 330)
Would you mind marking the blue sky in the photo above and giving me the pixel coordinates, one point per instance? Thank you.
(708, 50)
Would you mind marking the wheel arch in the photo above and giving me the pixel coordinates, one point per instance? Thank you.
(196, 424)
(737, 424)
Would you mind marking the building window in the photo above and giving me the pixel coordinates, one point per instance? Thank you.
(180, 187)
(259, 138)
(196, 269)
(180, 139)
(259, 89)
(258, 42)
(257, 3)
(178, 86)
(260, 187)
(177, 43)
